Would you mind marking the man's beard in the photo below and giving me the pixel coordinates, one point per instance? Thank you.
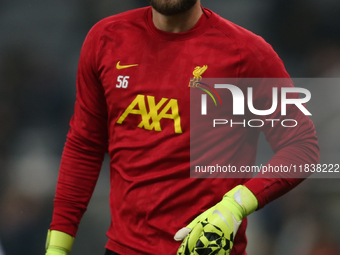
(172, 7)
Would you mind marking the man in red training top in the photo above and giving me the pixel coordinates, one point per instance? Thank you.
(133, 101)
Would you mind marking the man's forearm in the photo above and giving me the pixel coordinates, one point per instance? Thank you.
(79, 171)
(269, 186)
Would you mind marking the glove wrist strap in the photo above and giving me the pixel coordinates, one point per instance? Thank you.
(59, 240)
(245, 198)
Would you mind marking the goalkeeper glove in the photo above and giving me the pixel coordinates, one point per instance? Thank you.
(58, 243)
(213, 231)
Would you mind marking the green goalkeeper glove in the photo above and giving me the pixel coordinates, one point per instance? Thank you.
(58, 243)
(213, 231)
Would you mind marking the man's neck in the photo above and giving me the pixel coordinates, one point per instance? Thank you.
(177, 23)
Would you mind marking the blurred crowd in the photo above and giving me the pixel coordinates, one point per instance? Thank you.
(39, 49)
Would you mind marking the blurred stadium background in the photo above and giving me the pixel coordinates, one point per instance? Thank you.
(39, 48)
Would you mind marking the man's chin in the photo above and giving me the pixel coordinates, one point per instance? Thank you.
(174, 7)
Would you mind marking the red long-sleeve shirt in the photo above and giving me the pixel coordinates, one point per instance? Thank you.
(133, 101)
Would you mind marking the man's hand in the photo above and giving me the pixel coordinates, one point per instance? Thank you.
(213, 231)
(58, 243)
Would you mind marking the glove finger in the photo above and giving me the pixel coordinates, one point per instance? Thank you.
(182, 233)
(190, 241)
(200, 217)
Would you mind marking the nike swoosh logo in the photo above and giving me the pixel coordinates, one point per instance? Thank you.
(221, 215)
(118, 66)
